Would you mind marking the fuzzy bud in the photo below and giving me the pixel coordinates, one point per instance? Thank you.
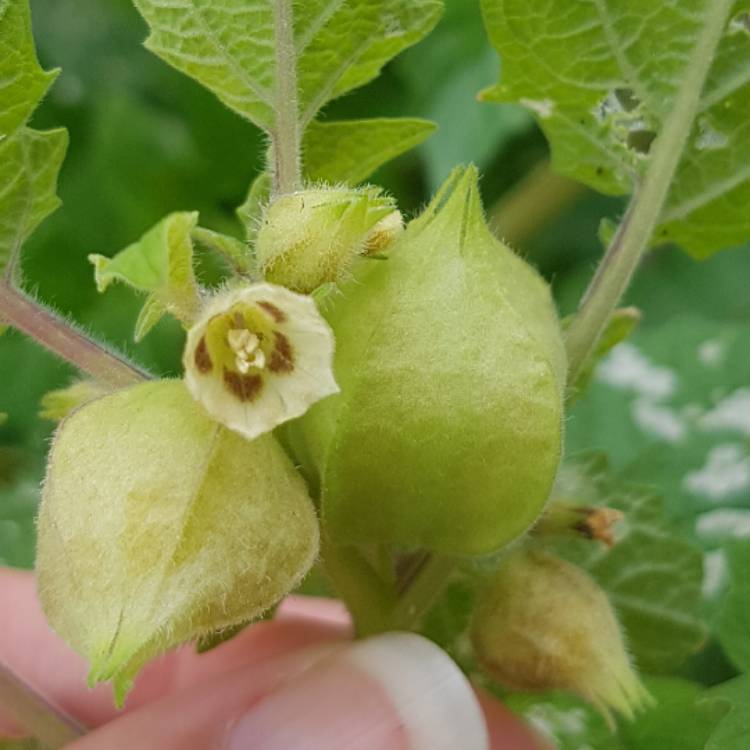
(544, 624)
(159, 526)
(312, 237)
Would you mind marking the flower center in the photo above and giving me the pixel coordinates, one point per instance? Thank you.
(246, 347)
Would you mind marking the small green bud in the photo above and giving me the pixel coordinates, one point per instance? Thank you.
(544, 624)
(57, 404)
(447, 432)
(312, 237)
(159, 526)
(258, 356)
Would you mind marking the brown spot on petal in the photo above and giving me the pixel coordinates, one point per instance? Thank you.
(245, 387)
(282, 359)
(276, 313)
(202, 357)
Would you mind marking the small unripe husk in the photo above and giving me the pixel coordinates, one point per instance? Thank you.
(312, 237)
(544, 624)
(158, 526)
(447, 432)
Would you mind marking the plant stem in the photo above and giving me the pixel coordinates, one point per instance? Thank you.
(286, 136)
(633, 236)
(49, 725)
(31, 318)
(420, 593)
(369, 599)
(539, 197)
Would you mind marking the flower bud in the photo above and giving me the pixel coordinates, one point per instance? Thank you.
(258, 356)
(544, 624)
(312, 237)
(159, 526)
(447, 432)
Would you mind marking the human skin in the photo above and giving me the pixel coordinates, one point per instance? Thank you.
(295, 682)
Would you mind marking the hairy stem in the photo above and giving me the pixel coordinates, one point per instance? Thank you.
(286, 135)
(31, 318)
(540, 197)
(369, 599)
(51, 727)
(633, 236)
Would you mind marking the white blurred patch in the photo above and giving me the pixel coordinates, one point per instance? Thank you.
(715, 572)
(726, 472)
(555, 723)
(724, 523)
(660, 421)
(731, 413)
(712, 352)
(628, 369)
(543, 107)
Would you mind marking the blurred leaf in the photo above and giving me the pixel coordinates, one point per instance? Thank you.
(651, 575)
(734, 729)
(20, 745)
(161, 264)
(733, 625)
(351, 150)
(29, 164)
(601, 87)
(17, 511)
(677, 721)
(22, 81)
(339, 46)
(671, 407)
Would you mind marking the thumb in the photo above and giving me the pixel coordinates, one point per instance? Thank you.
(397, 691)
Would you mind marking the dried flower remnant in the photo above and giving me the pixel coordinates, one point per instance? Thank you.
(258, 356)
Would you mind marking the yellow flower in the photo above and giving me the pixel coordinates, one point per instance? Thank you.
(258, 356)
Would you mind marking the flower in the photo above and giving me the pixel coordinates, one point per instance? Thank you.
(258, 356)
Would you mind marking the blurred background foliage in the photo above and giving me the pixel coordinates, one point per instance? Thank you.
(146, 140)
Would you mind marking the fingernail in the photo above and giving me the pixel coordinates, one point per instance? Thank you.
(397, 691)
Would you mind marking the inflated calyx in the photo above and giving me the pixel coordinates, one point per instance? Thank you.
(544, 624)
(447, 432)
(158, 526)
(313, 237)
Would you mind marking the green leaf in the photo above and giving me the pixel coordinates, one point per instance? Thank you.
(733, 625)
(22, 81)
(161, 264)
(228, 47)
(351, 150)
(601, 83)
(232, 250)
(651, 575)
(619, 327)
(30, 161)
(733, 730)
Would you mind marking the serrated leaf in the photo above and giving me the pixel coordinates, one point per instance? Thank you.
(601, 77)
(733, 625)
(30, 161)
(23, 82)
(351, 150)
(651, 575)
(160, 263)
(339, 45)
